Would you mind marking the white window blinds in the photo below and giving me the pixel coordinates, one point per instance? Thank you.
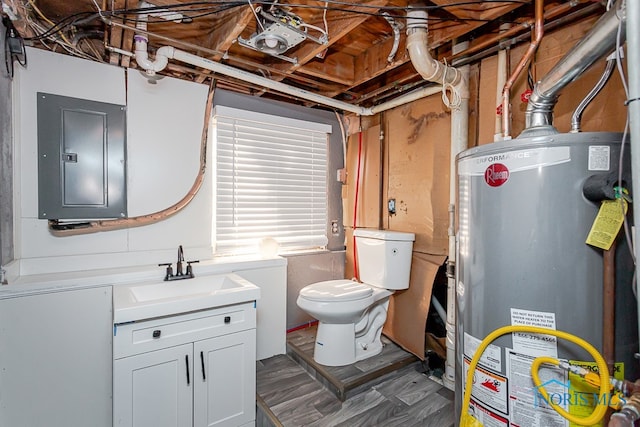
(270, 181)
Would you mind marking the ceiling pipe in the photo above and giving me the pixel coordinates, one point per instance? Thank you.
(538, 32)
(600, 41)
(417, 44)
(550, 14)
(169, 52)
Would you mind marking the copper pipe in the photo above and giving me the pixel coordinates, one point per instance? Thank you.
(609, 313)
(516, 29)
(538, 32)
(608, 307)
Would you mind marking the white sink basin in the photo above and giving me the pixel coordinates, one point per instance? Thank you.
(156, 299)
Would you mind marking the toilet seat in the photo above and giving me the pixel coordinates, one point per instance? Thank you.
(336, 290)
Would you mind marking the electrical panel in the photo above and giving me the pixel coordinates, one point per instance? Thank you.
(81, 158)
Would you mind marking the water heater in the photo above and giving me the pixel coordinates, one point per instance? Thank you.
(522, 259)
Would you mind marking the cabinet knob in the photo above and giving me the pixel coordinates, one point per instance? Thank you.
(227, 319)
(156, 333)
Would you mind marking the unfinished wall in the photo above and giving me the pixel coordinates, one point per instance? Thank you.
(164, 123)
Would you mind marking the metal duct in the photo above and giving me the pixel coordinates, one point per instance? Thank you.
(600, 41)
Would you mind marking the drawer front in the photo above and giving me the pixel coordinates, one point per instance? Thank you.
(149, 335)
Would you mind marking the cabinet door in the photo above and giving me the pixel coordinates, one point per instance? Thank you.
(55, 359)
(225, 380)
(154, 389)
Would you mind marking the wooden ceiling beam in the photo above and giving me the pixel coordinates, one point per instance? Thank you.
(224, 35)
(487, 11)
(336, 67)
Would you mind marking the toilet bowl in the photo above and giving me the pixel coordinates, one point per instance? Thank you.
(351, 314)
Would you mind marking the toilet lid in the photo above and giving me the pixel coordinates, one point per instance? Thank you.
(336, 290)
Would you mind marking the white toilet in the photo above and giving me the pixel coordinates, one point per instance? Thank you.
(351, 314)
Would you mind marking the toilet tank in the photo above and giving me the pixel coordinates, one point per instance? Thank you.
(384, 257)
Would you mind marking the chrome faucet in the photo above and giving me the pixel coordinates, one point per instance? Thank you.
(179, 273)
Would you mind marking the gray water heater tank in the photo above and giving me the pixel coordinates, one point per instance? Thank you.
(522, 259)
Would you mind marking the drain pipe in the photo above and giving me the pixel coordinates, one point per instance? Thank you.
(633, 57)
(459, 143)
(141, 41)
(458, 81)
(600, 41)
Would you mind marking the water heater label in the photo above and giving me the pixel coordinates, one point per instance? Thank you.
(534, 344)
(527, 407)
(599, 157)
(512, 162)
(491, 357)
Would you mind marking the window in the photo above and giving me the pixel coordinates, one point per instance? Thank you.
(270, 181)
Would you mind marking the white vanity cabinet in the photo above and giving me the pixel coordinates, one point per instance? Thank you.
(195, 369)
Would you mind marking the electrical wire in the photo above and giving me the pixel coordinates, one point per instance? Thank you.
(256, 15)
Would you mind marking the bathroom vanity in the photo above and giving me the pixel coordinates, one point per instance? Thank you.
(70, 354)
(195, 369)
(184, 352)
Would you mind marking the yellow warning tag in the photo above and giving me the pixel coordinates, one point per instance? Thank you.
(607, 224)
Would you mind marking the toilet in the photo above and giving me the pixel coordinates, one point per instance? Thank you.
(350, 313)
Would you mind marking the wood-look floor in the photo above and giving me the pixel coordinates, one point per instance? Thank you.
(386, 390)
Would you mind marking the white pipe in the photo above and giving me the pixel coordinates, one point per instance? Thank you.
(405, 99)
(418, 46)
(458, 79)
(141, 53)
(168, 52)
(633, 56)
(459, 143)
(500, 82)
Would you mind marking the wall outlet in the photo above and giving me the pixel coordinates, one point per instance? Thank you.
(335, 229)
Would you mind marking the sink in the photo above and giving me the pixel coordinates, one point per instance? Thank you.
(158, 298)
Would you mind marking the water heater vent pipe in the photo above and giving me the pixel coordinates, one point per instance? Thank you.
(600, 41)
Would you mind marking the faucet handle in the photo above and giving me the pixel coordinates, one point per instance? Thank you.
(169, 271)
(189, 268)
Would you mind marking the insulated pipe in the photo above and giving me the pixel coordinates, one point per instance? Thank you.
(633, 57)
(597, 43)
(538, 32)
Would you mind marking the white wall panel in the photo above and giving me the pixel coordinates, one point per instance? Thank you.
(164, 123)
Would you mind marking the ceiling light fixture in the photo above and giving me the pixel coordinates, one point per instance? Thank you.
(280, 31)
